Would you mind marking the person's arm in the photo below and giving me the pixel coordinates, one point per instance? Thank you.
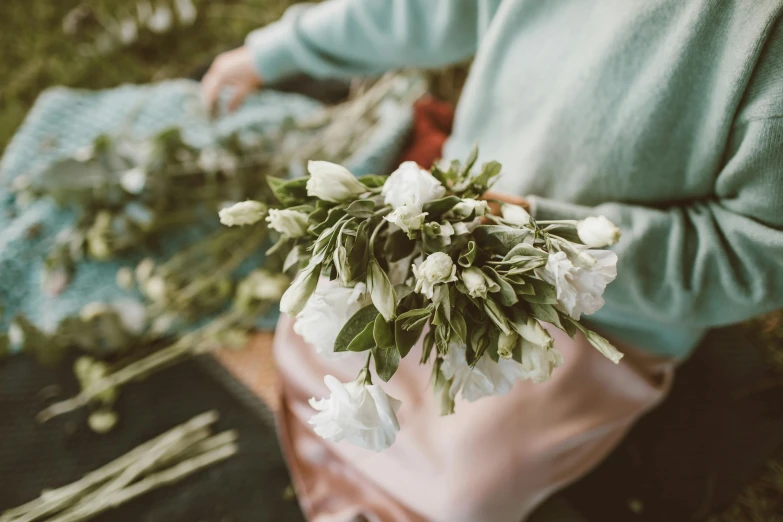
(346, 38)
(706, 263)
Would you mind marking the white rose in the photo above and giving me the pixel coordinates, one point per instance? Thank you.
(407, 217)
(437, 268)
(487, 377)
(411, 185)
(532, 330)
(538, 361)
(579, 289)
(332, 182)
(468, 206)
(291, 223)
(515, 214)
(329, 308)
(133, 180)
(242, 213)
(478, 283)
(597, 232)
(359, 413)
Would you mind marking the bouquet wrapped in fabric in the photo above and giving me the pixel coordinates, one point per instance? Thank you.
(385, 261)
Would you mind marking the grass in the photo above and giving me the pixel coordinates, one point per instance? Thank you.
(37, 53)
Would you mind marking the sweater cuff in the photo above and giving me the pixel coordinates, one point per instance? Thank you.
(544, 209)
(272, 50)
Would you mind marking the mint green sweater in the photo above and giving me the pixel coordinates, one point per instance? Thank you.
(666, 116)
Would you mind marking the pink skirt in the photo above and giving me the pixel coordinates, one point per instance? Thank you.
(495, 459)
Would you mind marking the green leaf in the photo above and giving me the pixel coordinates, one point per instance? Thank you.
(361, 208)
(381, 290)
(568, 326)
(497, 315)
(523, 249)
(289, 192)
(398, 246)
(364, 341)
(469, 162)
(507, 294)
(435, 209)
(468, 255)
(492, 348)
(373, 180)
(499, 238)
(489, 171)
(440, 298)
(293, 257)
(358, 255)
(567, 232)
(544, 292)
(459, 326)
(408, 328)
(386, 362)
(332, 218)
(523, 264)
(383, 333)
(546, 313)
(355, 326)
(429, 342)
(442, 336)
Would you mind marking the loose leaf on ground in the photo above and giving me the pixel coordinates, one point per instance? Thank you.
(355, 325)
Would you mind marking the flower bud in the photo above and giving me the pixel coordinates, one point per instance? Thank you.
(597, 232)
(291, 223)
(332, 182)
(295, 298)
(515, 214)
(468, 207)
(506, 344)
(477, 282)
(408, 218)
(242, 213)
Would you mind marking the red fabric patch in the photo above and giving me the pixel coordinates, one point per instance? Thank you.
(432, 121)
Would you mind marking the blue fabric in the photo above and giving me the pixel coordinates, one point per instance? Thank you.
(63, 120)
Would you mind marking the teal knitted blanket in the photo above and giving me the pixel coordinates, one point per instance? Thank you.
(64, 120)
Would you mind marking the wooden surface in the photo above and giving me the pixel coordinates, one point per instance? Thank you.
(254, 366)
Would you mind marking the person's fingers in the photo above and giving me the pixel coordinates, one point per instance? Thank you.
(210, 89)
(239, 96)
(494, 199)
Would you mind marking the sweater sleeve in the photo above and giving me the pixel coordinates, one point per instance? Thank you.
(344, 38)
(706, 263)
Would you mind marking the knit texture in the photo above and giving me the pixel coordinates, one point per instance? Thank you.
(666, 116)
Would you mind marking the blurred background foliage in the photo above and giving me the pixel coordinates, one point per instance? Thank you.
(92, 45)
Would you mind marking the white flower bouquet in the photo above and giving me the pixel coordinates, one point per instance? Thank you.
(385, 261)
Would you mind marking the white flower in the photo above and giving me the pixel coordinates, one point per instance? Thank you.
(437, 268)
(478, 283)
(161, 19)
(265, 285)
(15, 337)
(487, 377)
(538, 361)
(506, 344)
(242, 213)
(133, 180)
(144, 269)
(597, 232)
(132, 314)
(295, 298)
(155, 289)
(407, 217)
(359, 413)
(291, 223)
(128, 31)
(411, 185)
(515, 214)
(332, 182)
(186, 11)
(579, 289)
(468, 206)
(327, 311)
(125, 278)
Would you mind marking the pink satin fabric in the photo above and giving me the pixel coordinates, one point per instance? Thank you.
(495, 460)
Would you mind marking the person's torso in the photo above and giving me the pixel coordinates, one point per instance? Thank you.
(609, 101)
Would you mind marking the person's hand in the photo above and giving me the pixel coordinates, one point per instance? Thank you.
(230, 69)
(494, 197)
